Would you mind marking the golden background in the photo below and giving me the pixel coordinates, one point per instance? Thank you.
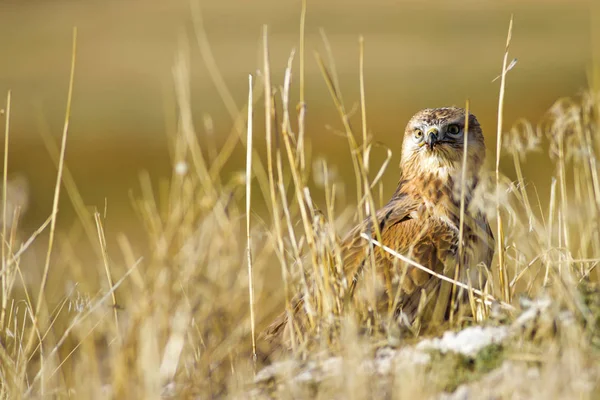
(417, 54)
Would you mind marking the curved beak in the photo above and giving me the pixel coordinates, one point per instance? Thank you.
(432, 138)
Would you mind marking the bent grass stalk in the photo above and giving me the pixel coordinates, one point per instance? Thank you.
(286, 131)
(486, 298)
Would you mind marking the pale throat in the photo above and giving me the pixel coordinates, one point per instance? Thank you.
(435, 168)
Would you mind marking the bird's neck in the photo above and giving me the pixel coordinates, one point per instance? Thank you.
(443, 185)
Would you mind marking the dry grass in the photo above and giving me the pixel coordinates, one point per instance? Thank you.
(178, 320)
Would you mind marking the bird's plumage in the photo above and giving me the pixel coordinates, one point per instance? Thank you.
(422, 221)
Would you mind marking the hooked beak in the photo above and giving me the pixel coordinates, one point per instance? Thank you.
(432, 138)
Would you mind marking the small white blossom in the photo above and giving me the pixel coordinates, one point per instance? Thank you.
(181, 168)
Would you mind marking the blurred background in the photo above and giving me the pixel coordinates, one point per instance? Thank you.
(417, 54)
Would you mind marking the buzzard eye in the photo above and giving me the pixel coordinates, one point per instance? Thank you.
(418, 135)
(453, 129)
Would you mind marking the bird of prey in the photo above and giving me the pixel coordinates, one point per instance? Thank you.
(422, 221)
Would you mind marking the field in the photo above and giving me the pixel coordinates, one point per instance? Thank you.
(126, 165)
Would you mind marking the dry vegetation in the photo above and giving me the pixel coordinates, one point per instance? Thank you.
(176, 322)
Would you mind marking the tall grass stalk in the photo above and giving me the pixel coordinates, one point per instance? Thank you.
(5, 251)
(503, 276)
(41, 292)
(248, 211)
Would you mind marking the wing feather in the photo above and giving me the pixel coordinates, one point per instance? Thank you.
(405, 227)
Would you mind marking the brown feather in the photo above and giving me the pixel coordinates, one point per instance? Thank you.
(422, 222)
